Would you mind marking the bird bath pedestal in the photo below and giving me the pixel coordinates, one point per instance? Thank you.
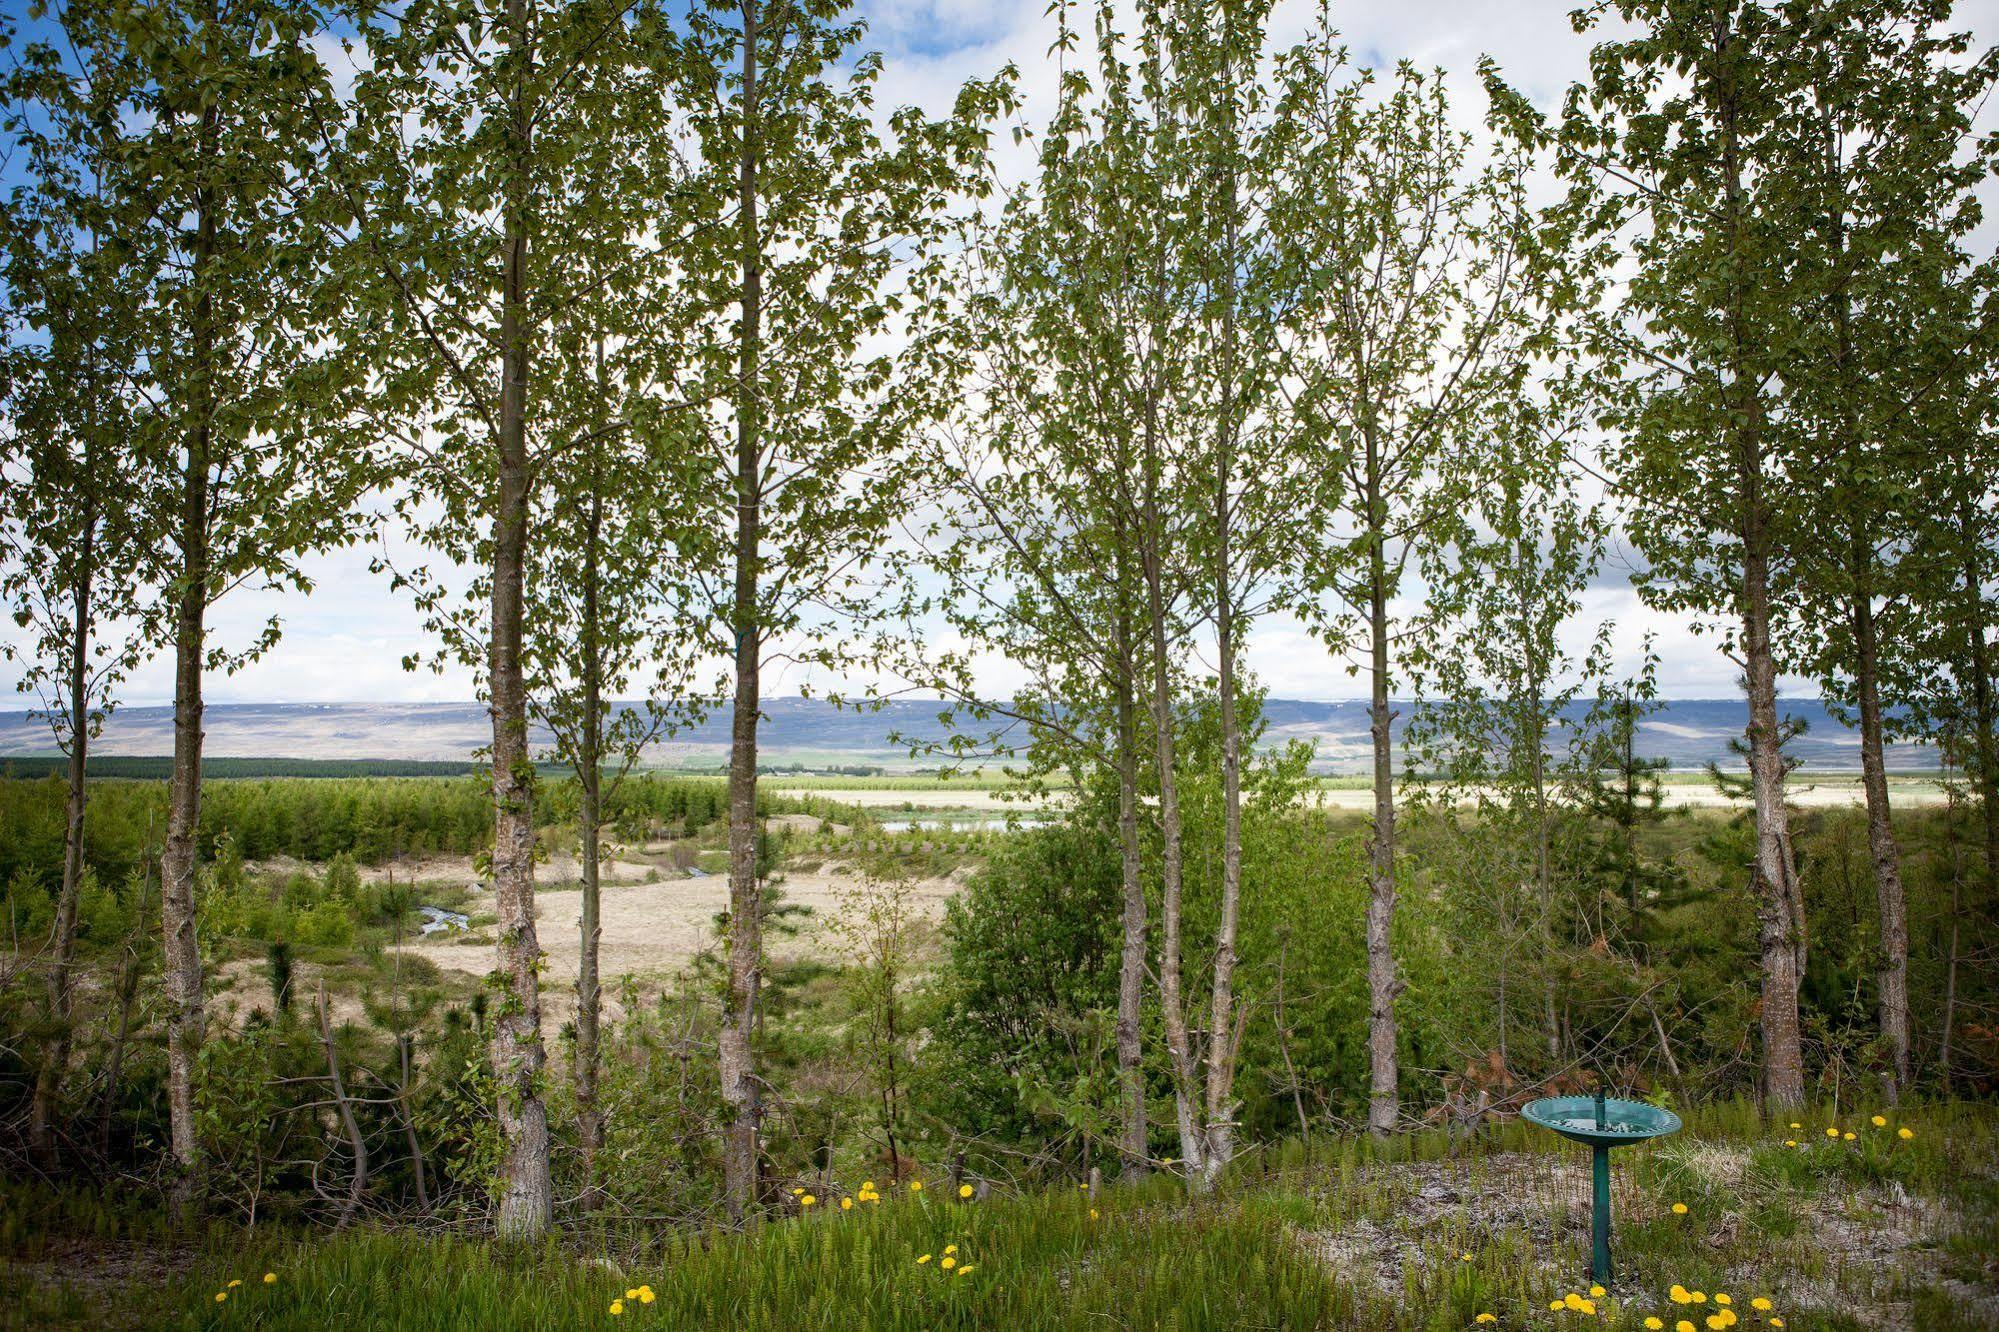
(1601, 1125)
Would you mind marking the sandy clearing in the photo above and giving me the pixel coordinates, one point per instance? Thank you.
(652, 929)
(932, 797)
(242, 986)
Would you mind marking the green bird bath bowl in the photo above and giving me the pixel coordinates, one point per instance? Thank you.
(1601, 1125)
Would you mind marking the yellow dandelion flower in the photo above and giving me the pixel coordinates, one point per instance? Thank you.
(235, 1283)
(1760, 1304)
(1848, 1136)
(1723, 1300)
(646, 1296)
(916, 1186)
(1879, 1121)
(1678, 1294)
(1832, 1133)
(1574, 1301)
(1556, 1306)
(924, 1259)
(1790, 1142)
(950, 1248)
(1716, 1321)
(1585, 1306)
(846, 1204)
(221, 1295)
(1464, 1257)
(1696, 1297)
(1905, 1133)
(796, 1192)
(632, 1293)
(1776, 1322)
(1597, 1292)
(964, 1190)
(270, 1278)
(1684, 1325)
(1653, 1322)
(948, 1263)
(966, 1270)
(1486, 1318)
(1797, 1126)
(617, 1307)
(1093, 1214)
(1679, 1209)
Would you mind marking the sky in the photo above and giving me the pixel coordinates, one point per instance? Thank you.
(346, 640)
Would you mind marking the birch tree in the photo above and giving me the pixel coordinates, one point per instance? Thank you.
(68, 468)
(1412, 317)
(1702, 425)
(1880, 135)
(204, 115)
(819, 250)
(1249, 468)
(491, 172)
(1034, 530)
(591, 633)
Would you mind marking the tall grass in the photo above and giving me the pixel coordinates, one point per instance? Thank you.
(1259, 1252)
(1038, 1263)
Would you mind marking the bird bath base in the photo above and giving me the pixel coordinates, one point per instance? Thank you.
(1600, 1125)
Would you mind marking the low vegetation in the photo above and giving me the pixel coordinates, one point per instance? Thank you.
(1891, 1229)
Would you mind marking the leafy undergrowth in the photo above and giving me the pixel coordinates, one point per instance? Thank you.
(1880, 1230)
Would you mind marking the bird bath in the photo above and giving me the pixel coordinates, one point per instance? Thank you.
(1601, 1125)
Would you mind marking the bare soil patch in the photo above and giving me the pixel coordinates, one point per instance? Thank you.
(654, 929)
(1884, 1244)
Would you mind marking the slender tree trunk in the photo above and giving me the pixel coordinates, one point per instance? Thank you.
(890, 1091)
(1950, 965)
(590, 775)
(1780, 908)
(739, 1016)
(1781, 914)
(409, 1122)
(1132, 1143)
(355, 1141)
(1544, 876)
(1284, 1048)
(1222, 1022)
(177, 859)
(1893, 974)
(527, 1198)
(1984, 709)
(46, 1110)
(589, 998)
(1219, 1112)
(1179, 1047)
(1627, 812)
(1383, 1103)
(128, 997)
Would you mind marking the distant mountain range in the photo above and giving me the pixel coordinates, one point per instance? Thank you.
(816, 734)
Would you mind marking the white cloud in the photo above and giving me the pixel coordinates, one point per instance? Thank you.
(347, 639)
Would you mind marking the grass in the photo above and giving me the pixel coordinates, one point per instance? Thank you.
(1339, 1233)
